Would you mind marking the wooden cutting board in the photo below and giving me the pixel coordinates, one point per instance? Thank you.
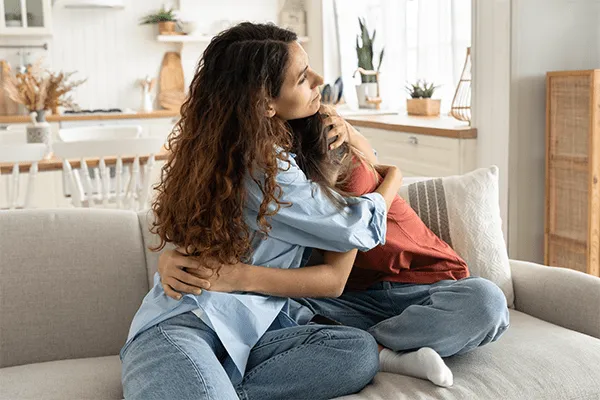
(7, 106)
(172, 86)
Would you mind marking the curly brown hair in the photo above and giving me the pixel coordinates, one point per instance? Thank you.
(222, 139)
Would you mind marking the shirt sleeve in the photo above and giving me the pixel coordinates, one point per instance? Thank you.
(313, 220)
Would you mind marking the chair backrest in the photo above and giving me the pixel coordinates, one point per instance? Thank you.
(18, 153)
(105, 132)
(132, 182)
(13, 137)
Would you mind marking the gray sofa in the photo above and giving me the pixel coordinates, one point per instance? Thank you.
(72, 279)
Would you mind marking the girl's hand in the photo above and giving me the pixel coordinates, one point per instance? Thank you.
(339, 127)
(383, 169)
(174, 268)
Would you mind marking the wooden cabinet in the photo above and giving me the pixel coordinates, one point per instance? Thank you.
(25, 17)
(572, 233)
(422, 155)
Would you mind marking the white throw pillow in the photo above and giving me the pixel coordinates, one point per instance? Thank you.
(464, 211)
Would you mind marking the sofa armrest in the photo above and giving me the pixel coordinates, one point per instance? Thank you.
(564, 297)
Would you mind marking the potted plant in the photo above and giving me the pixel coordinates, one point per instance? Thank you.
(368, 87)
(166, 20)
(420, 102)
(40, 91)
(13, 20)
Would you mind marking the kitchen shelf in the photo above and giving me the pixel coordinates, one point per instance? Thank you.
(202, 38)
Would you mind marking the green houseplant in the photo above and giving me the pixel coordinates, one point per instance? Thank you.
(364, 52)
(420, 101)
(13, 20)
(166, 20)
(367, 92)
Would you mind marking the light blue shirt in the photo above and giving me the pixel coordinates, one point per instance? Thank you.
(312, 221)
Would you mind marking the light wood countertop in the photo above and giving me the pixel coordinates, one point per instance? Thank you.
(55, 163)
(19, 119)
(435, 126)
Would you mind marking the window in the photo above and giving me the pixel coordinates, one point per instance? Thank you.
(423, 39)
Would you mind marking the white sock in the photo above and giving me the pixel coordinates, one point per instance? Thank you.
(424, 363)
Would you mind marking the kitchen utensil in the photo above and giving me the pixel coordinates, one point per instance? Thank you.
(339, 90)
(171, 100)
(326, 94)
(7, 105)
(172, 85)
(147, 85)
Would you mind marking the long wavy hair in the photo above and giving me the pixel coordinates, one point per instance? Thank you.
(330, 169)
(223, 135)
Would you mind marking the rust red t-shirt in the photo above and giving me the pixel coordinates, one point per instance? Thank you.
(412, 253)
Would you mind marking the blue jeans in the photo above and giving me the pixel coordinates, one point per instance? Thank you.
(451, 317)
(181, 358)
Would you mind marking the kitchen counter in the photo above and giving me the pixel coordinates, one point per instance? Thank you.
(19, 119)
(433, 126)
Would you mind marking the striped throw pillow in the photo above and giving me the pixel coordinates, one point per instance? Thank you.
(464, 212)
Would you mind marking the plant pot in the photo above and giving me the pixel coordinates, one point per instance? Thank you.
(40, 132)
(166, 28)
(363, 91)
(423, 107)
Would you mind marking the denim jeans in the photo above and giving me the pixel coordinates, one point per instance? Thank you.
(451, 317)
(181, 358)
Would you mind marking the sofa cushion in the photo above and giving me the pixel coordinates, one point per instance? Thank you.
(532, 360)
(146, 217)
(464, 211)
(71, 281)
(83, 378)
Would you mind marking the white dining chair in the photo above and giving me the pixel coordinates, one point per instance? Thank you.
(104, 132)
(132, 186)
(15, 154)
(13, 137)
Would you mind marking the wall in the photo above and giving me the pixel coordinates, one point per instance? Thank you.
(113, 52)
(547, 35)
(490, 51)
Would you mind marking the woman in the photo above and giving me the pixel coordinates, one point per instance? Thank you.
(231, 191)
(413, 292)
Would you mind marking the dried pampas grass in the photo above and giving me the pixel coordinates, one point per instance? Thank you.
(39, 89)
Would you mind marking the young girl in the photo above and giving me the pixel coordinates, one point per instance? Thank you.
(413, 292)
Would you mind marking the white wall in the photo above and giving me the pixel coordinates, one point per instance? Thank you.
(547, 35)
(110, 49)
(490, 51)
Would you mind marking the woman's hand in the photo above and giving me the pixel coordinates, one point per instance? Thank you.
(221, 277)
(174, 270)
(339, 126)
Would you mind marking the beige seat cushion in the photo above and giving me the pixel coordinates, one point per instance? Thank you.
(533, 360)
(81, 379)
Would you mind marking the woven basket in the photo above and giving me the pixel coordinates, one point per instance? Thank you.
(423, 107)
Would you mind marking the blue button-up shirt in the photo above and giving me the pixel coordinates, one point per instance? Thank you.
(312, 221)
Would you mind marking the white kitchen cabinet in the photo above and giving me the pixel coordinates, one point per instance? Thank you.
(158, 127)
(422, 155)
(25, 17)
(151, 127)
